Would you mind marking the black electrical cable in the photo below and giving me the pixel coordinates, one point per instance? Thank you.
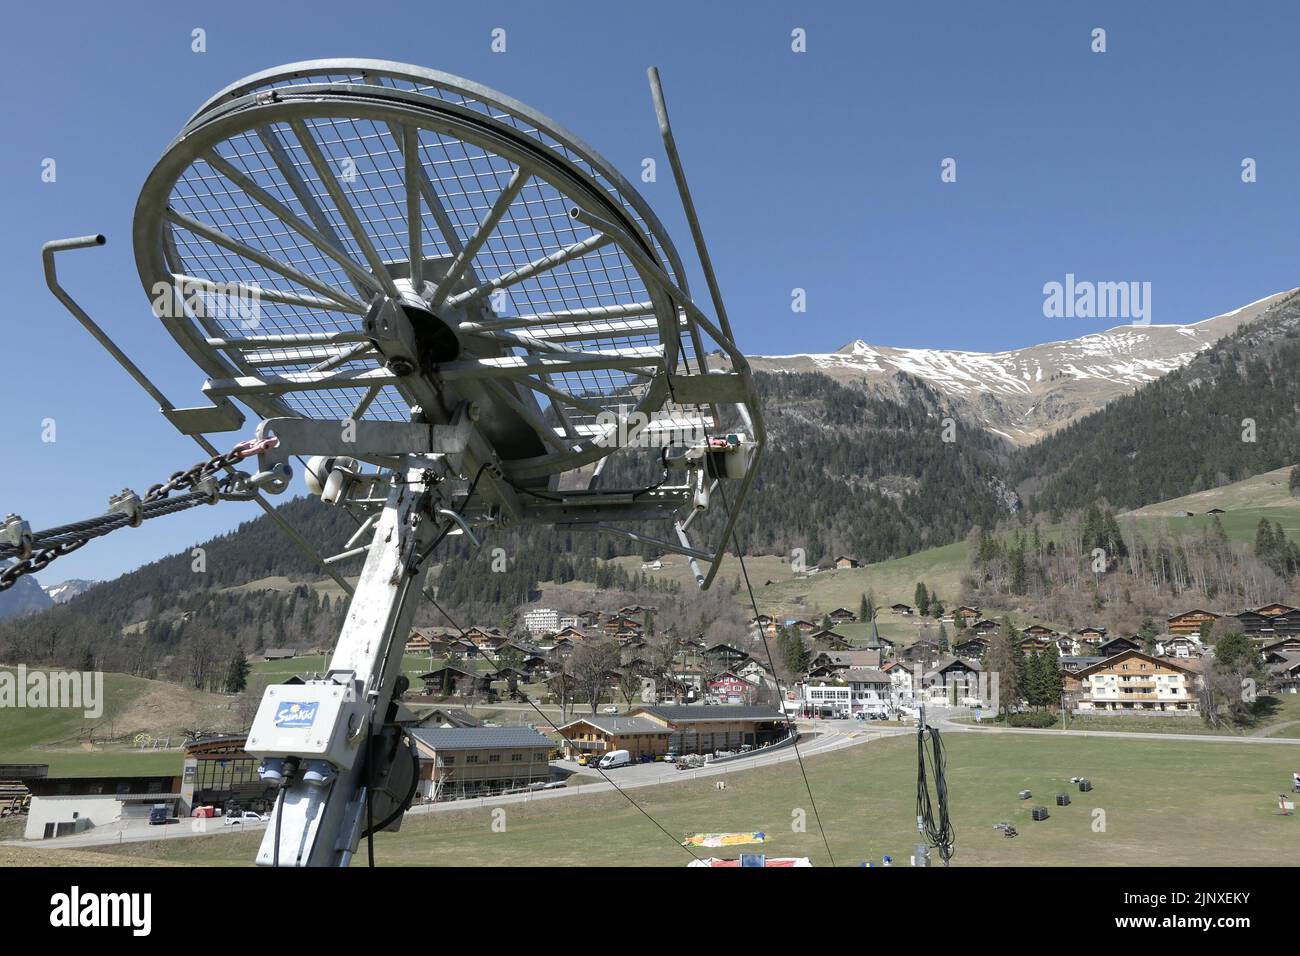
(528, 700)
(370, 806)
(279, 816)
(289, 770)
(538, 494)
(410, 795)
(401, 601)
(794, 738)
(939, 833)
(450, 524)
(529, 491)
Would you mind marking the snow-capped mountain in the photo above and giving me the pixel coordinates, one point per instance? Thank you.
(59, 593)
(1024, 394)
(25, 597)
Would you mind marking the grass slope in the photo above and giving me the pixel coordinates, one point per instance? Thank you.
(1245, 502)
(61, 737)
(1267, 490)
(1222, 795)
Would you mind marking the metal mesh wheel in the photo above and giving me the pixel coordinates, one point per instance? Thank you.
(298, 201)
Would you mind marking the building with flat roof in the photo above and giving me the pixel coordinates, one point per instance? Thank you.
(541, 619)
(473, 761)
(65, 805)
(688, 728)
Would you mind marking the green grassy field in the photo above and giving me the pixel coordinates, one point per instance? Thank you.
(1223, 798)
(1268, 490)
(1272, 717)
(1245, 502)
(74, 745)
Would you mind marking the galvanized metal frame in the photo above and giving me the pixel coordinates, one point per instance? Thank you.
(243, 367)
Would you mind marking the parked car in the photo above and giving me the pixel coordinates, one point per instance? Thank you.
(247, 816)
(610, 710)
(615, 758)
(158, 814)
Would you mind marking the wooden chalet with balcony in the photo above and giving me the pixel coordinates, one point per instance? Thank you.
(1190, 622)
(1133, 682)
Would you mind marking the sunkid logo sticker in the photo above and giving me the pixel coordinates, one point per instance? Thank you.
(296, 714)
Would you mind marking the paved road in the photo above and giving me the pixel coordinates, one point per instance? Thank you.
(137, 831)
(1274, 728)
(637, 776)
(829, 736)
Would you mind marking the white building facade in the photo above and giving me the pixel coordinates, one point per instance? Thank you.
(540, 619)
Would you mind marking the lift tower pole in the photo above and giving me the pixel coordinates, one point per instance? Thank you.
(337, 730)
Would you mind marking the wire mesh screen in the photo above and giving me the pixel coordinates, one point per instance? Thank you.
(300, 209)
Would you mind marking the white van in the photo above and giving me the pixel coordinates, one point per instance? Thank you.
(615, 758)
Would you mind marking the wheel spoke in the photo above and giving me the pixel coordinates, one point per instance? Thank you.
(570, 316)
(360, 408)
(431, 199)
(270, 263)
(543, 385)
(485, 229)
(343, 357)
(324, 243)
(254, 343)
(302, 192)
(634, 361)
(242, 385)
(529, 414)
(572, 333)
(536, 267)
(344, 207)
(414, 221)
(244, 290)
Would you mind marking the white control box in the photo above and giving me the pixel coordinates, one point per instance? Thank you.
(318, 721)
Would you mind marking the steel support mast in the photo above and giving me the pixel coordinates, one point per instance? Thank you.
(331, 742)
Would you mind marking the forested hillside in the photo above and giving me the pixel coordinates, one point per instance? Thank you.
(849, 470)
(1229, 414)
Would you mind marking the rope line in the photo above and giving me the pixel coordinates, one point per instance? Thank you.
(531, 703)
(794, 738)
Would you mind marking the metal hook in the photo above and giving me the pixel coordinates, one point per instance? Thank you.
(464, 526)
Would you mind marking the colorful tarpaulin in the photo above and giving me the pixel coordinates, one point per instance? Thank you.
(770, 861)
(724, 839)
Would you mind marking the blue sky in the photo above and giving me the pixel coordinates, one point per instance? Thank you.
(817, 170)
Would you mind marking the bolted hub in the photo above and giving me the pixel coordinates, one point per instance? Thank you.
(408, 335)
